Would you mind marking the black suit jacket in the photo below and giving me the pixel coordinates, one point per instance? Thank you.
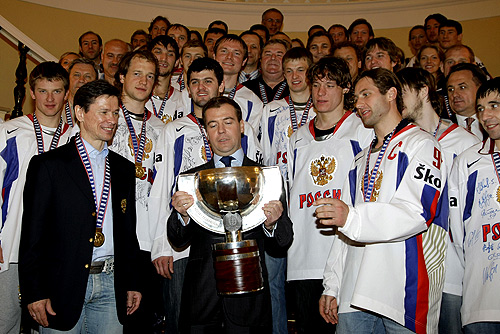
(58, 227)
(200, 302)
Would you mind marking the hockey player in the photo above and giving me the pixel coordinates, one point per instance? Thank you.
(136, 139)
(80, 71)
(184, 145)
(192, 49)
(320, 154)
(422, 106)
(474, 186)
(280, 119)
(165, 98)
(20, 139)
(386, 265)
(231, 52)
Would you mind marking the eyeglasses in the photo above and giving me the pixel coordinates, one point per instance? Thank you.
(273, 20)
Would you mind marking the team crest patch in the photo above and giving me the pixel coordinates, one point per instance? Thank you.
(166, 119)
(376, 186)
(148, 146)
(322, 170)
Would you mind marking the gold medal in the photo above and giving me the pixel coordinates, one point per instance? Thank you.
(290, 131)
(99, 237)
(139, 170)
(498, 194)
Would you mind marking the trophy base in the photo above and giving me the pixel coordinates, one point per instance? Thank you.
(237, 267)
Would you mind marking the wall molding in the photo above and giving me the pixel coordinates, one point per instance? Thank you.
(298, 16)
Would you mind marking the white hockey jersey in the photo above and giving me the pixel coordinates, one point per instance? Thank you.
(453, 140)
(182, 147)
(277, 129)
(166, 110)
(250, 104)
(389, 256)
(318, 169)
(474, 224)
(17, 146)
(122, 144)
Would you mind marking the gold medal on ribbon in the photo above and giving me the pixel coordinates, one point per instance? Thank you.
(290, 131)
(99, 237)
(498, 194)
(139, 170)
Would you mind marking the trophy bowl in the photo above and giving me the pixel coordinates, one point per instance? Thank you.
(218, 191)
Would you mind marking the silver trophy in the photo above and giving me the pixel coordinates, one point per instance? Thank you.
(229, 201)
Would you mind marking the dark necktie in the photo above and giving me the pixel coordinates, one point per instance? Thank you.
(227, 160)
(469, 121)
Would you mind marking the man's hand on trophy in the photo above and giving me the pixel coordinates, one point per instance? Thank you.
(273, 211)
(182, 201)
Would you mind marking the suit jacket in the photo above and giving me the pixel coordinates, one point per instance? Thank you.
(200, 302)
(58, 228)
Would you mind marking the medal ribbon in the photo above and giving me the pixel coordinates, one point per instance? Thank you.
(233, 92)
(208, 150)
(69, 118)
(436, 131)
(39, 136)
(138, 147)
(180, 81)
(368, 184)
(293, 114)
(159, 114)
(277, 96)
(103, 202)
(495, 156)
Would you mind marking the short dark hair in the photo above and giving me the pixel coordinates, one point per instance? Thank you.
(440, 18)
(50, 71)
(88, 33)
(206, 63)
(298, 40)
(139, 32)
(384, 80)
(195, 33)
(125, 62)
(219, 22)
(319, 34)
(478, 75)
(418, 78)
(337, 25)
(262, 27)
(316, 26)
(253, 33)
(165, 41)
(298, 53)
(156, 19)
(86, 62)
(213, 31)
(385, 44)
(232, 38)
(178, 26)
(276, 36)
(490, 86)
(88, 93)
(349, 44)
(194, 44)
(357, 22)
(452, 24)
(333, 68)
(270, 10)
(219, 101)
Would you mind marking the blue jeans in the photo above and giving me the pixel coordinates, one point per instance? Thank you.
(482, 327)
(276, 268)
(99, 309)
(450, 320)
(368, 323)
(172, 292)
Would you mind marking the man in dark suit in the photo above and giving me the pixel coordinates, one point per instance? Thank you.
(202, 310)
(78, 261)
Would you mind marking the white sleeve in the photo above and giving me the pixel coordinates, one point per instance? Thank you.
(458, 195)
(412, 207)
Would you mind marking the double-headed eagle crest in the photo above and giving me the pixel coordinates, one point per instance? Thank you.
(322, 170)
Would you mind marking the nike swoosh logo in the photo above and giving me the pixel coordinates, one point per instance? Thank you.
(472, 163)
(273, 110)
(179, 129)
(9, 132)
